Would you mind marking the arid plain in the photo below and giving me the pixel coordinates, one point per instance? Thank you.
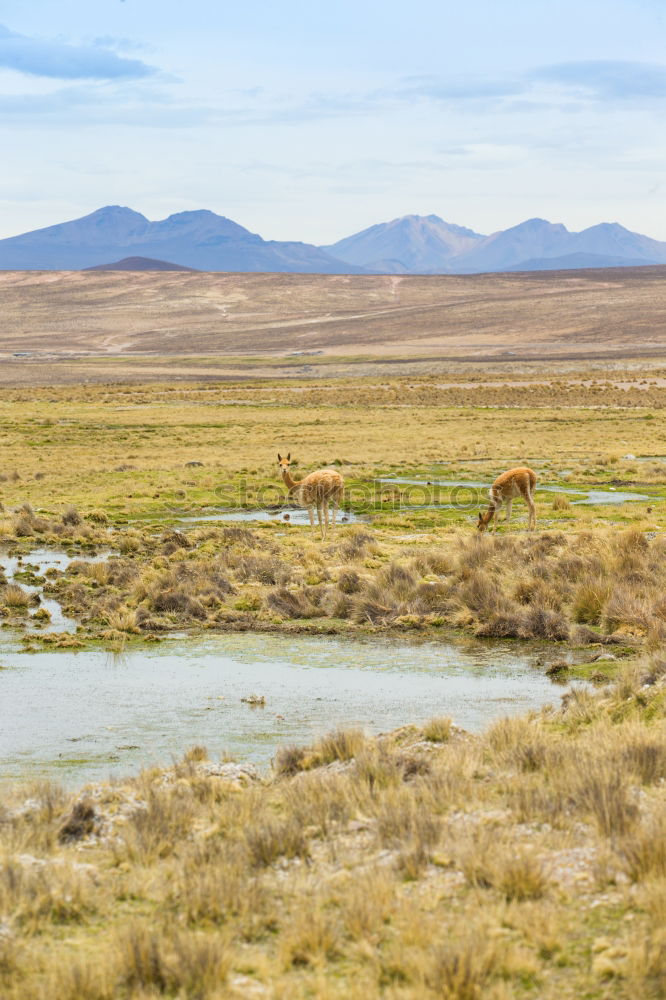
(116, 325)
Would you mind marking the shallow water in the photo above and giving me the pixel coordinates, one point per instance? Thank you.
(294, 515)
(39, 561)
(88, 714)
(593, 497)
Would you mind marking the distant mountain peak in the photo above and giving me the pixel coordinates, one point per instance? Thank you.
(608, 227)
(194, 213)
(416, 243)
(537, 224)
(114, 212)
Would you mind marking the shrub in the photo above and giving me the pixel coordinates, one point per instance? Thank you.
(541, 623)
(288, 760)
(71, 516)
(80, 822)
(501, 626)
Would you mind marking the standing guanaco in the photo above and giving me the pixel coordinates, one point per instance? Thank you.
(318, 489)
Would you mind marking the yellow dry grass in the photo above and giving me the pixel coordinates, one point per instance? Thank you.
(480, 867)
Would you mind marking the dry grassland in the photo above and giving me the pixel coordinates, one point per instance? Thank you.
(422, 864)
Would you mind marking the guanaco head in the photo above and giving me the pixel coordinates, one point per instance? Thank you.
(485, 519)
(284, 463)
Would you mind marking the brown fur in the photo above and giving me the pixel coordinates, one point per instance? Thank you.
(518, 482)
(318, 489)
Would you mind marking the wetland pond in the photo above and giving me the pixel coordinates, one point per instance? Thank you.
(89, 714)
(79, 715)
(476, 491)
(290, 515)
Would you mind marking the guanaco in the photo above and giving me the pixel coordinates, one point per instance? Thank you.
(514, 483)
(318, 489)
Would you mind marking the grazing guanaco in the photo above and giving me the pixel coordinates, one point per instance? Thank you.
(514, 483)
(318, 489)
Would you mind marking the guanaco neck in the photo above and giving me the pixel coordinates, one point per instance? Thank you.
(288, 480)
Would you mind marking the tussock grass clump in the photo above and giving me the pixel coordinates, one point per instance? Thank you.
(561, 502)
(275, 837)
(645, 755)
(14, 597)
(36, 897)
(98, 516)
(216, 887)
(189, 590)
(319, 800)
(644, 850)
(489, 861)
(170, 962)
(520, 876)
(590, 600)
(438, 730)
(124, 620)
(292, 603)
(349, 582)
(344, 744)
(404, 822)
(312, 938)
(156, 826)
(267, 569)
(461, 969)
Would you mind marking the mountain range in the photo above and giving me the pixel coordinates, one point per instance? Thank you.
(413, 244)
(201, 240)
(428, 245)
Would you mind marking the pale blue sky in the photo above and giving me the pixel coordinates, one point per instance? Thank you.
(305, 120)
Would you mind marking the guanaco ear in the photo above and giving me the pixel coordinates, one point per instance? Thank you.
(279, 457)
(289, 457)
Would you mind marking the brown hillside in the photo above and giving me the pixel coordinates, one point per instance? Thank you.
(554, 314)
(140, 264)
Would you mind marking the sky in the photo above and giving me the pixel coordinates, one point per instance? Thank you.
(307, 120)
